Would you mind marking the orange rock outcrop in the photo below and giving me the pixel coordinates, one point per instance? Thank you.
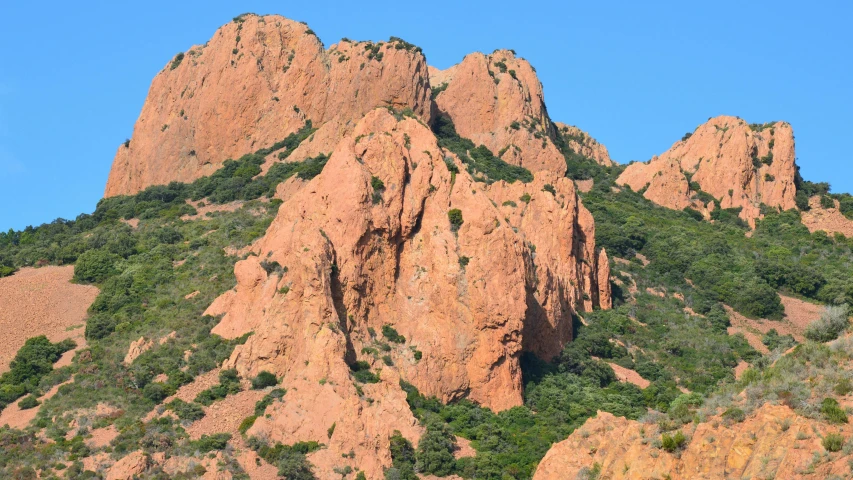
(256, 81)
(773, 442)
(497, 100)
(582, 143)
(830, 220)
(368, 244)
(740, 165)
(354, 259)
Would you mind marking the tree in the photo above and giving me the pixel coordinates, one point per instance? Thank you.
(95, 266)
(435, 451)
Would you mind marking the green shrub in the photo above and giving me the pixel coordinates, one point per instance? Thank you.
(246, 424)
(95, 266)
(290, 460)
(831, 323)
(156, 392)
(483, 165)
(832, 442)
(832, 412)
(671, 443)
(734, 415)
(28, 402)
(208, 443)
(435, 451)
(455, 217)
(177, 61)
(263, 380)
(262, 404)
(186, 411)
(391, 334)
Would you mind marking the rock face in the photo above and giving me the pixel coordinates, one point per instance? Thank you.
(830, 220)
(256, 81)
(497, 100)
(387, 267)
(740, 165)
(354, 259)
(774, 442)
(582, 143)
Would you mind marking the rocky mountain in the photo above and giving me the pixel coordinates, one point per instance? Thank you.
(257, 80)
(724, 164)
(372, 243)
(341, 262)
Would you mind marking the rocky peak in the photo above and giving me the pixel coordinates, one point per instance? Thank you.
(497, 100)
(740, 165)
(256, 81)
(370, 257)
(583, 144)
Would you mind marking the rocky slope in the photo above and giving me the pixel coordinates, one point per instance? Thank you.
(497, 100)
(356, 257)
(582, 143)
(256, 81)
(739, 165)
(830, 220)
(774, 442)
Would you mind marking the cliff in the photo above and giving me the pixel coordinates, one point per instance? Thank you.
(740, 165)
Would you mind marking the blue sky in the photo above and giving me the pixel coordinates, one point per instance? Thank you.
(636, 75)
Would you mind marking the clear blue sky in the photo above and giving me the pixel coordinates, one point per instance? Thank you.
(636, 75)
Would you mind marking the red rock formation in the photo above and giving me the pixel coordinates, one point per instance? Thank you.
(774, 442)
(256, 81)
(738, 164)
(497, 100)
(355, 260)
(582, 143)
(830, 220)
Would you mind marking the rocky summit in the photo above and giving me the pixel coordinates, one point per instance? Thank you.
(343, 263)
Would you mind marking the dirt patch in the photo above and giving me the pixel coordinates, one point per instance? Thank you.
(133, 222)
(464, 448)
(101, 437)
(741, 367)
(642, 258)
(225, 416)
(798, 315)
(41, 301)
(14, 417)
(629, 376)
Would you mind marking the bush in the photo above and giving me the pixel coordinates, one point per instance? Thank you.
(156, 392)
(391, 334)
(832, 442)
(246, 424)
(207, 443)
(263, 380)
(28, 402)
(734, 415)
(95, 266)
(832, 412)
(671, 443)
(455, 217)
(435, 451)
(186, 411)
(831, 323)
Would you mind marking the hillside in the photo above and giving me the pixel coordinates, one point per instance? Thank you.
(341, 262)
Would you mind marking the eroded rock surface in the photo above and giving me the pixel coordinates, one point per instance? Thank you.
(739, 165)
(256, 81)
(773, 442)
(497, 100)
(343, 259)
